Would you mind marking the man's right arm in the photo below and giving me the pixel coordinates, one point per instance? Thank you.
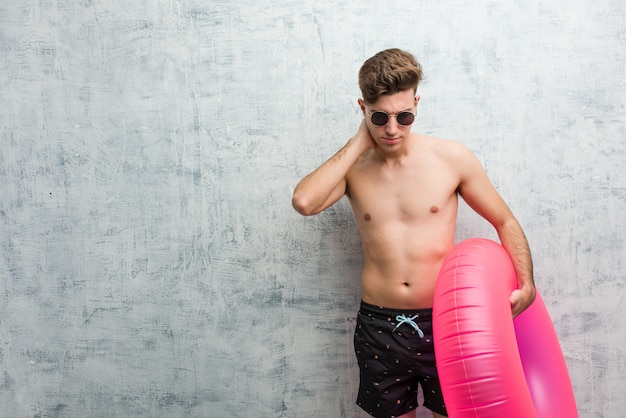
(327, 184)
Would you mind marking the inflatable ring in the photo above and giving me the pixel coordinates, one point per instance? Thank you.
(488, 364)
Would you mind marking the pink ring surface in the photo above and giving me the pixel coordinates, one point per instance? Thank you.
(488, 364)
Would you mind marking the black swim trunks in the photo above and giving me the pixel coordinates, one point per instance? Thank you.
(396, 355)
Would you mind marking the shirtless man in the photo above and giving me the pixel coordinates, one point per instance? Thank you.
(404, 188)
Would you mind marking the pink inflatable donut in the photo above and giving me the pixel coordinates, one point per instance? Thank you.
(490, 365)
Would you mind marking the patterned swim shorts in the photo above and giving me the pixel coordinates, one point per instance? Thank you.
(396, 355)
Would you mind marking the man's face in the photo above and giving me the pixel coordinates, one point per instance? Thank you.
(399, 108)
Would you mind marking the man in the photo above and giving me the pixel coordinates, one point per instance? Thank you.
(404, 188)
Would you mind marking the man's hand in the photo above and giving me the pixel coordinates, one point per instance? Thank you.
(363, 135)
(521, 299)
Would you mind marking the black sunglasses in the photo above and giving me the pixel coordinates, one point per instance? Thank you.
(381, 118)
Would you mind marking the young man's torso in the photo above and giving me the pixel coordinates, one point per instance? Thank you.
(405, 209)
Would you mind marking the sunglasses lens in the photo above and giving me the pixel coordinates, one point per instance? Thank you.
(379, 118)
(405, 118)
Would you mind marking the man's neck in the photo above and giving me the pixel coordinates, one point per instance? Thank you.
(398, 156)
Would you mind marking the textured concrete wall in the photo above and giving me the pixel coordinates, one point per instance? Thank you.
(150, 262)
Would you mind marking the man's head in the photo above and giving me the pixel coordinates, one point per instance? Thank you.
(389, 72)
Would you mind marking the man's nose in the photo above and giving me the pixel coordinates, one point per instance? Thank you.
(392, 124)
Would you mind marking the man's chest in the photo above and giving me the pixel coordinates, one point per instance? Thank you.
(406, 195)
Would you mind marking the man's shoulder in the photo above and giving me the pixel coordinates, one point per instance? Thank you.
(445, 148)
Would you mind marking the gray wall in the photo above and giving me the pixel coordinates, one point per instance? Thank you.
(150, 262)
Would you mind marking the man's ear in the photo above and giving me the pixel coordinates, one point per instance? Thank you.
(417, 100)
(362, 106)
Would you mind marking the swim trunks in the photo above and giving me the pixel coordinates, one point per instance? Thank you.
(396, 355)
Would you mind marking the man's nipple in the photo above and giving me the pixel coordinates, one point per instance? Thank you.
(434, 209)
(367, 217)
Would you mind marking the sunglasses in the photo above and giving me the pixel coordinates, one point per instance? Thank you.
(381, 118)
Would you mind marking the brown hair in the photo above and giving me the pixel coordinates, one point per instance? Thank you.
(389, 72)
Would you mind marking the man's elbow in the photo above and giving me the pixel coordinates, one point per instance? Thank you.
(302, 205)
(508, 224)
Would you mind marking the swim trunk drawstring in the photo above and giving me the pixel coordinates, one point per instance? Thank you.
(411, 321)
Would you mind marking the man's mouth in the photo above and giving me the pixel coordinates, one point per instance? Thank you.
(391, 140)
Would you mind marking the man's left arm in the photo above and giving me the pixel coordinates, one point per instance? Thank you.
(514, 241)
(480, 194)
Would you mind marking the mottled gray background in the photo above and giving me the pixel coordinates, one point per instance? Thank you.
(150, 262)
